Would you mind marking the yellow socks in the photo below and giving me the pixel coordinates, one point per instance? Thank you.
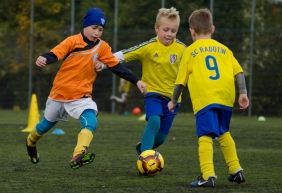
(206, 156)
(32, 138)
(228, 149)
(84, 139)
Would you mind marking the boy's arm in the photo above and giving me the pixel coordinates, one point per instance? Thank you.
(124, 73)
(132, 53)
(243, 98)
(46, 58)
(99, 66)
(176, 93)
(51, 57)
(119, 55)
(127, 74)
(241, 83)
(58, 52)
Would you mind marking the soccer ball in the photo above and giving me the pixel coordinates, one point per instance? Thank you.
(150, 163)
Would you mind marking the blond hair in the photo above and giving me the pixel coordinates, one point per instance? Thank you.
(201, 21)
(170, 13)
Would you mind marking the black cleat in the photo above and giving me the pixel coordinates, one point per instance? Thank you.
(82, 159)
(200, 182)
(138, 148)
(238, 177)
(32, 153)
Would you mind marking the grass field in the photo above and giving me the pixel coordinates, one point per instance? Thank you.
(114, 169)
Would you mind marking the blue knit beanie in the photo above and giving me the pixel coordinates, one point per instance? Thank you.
(94, 16)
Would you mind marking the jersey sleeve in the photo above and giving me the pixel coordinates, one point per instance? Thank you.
(133, 53)
(106, 56)
(63, 48)
(235, 65)
(184, 69)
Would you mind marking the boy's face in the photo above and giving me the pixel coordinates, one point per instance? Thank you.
(166, 30)
(93, 32)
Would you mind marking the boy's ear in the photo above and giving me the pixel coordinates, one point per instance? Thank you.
(212, 29)
(156, 28)
(192, 31)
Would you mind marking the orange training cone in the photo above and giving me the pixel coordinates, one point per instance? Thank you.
(33, 115)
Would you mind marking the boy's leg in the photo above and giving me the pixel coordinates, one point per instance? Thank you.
(151, 129)
(228, 149)
(81, 156)
(207, 128)
(84, 139)
(159, 139)
(166, 123)
(159, 122)
(207, 178)
(41, 128)
(206, 157)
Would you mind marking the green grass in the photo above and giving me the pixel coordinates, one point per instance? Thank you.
(114, 169)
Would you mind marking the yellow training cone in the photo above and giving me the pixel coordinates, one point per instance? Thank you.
(33, 115)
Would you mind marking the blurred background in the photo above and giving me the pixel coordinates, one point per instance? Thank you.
(252, 29)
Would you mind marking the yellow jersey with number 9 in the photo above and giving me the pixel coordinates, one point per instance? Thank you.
(208, 69)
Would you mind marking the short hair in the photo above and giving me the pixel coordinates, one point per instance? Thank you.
(201, 21)
(170, 13)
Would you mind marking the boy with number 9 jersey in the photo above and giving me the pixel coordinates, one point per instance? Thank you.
(210, 69)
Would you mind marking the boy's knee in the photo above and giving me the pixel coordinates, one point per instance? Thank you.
(44, 125)
(155, 121)
(88, 120)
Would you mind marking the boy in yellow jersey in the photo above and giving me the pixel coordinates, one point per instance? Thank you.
(124, 88)
(209, 69)
(160, 57)
(73, 85)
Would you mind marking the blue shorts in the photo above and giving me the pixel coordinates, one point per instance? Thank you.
(213, 120)
(156, 104)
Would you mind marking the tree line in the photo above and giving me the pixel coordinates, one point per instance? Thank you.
(52, 23)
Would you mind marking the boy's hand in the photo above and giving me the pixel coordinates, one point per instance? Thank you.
(170, 106)
(243, 101)
(41, 61)
(142, 87)
(99, 66)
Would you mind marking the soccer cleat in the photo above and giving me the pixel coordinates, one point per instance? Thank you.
(138, 148)
(32, 153)
(238, 177)
(200, 182)
(81, 159)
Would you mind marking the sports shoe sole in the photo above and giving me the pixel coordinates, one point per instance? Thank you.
(86, 159)
(200, 182)
(238, 177)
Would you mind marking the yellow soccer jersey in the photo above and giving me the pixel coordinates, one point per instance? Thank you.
(160, 64)
(208, 68)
